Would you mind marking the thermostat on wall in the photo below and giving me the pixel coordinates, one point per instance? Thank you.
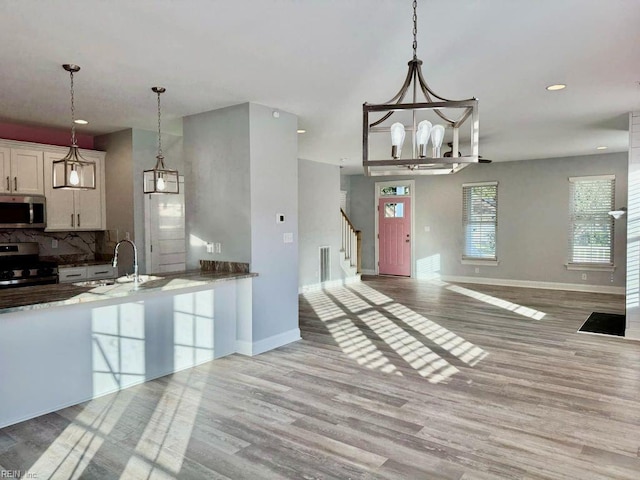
(279, 217)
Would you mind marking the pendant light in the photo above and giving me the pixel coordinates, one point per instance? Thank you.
(73, 172)
(453, 113)
(160, 179)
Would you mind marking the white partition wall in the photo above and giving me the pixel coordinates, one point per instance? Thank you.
(633, 230)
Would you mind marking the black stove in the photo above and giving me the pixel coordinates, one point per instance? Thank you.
(20, 266)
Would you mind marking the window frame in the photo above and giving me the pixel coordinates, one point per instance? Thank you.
(600, 215)
(467, 258)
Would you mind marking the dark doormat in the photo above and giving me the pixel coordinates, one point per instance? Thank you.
(604, 324)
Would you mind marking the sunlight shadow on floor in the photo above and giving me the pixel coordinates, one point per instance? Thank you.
(446, 339)
(347, 335)
(72, 451)
(426, 362)
(498, 302)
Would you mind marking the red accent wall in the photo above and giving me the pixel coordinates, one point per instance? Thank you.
(49, 136)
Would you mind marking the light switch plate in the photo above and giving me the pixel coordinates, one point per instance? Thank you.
(287, 237)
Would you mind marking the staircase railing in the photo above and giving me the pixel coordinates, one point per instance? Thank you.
(351, 242)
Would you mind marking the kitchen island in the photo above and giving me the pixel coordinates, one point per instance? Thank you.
(65, 344)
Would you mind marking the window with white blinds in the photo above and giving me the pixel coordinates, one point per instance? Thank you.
(480, 220)
(591, 226)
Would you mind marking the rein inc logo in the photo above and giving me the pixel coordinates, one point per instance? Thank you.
(17, 474)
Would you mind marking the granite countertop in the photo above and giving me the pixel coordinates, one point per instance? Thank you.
(86, 263)
(47, 296)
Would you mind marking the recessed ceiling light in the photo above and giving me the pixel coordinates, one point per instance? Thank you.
(556, 86)
(79, 121)
(302, 130)
(602, 147)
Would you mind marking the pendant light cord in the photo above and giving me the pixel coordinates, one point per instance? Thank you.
(73, 115)
(415, 29)
(159, 134)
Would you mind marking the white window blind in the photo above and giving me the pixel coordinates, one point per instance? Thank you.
(591, 226)
(480, 220)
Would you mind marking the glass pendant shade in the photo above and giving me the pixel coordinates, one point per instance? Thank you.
(73, 172)
(437, 135)
(422, 137)
(397, 139)
(160, 179)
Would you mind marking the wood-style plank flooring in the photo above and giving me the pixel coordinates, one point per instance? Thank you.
(394, 378)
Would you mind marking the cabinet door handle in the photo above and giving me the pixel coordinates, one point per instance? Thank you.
(100, 273)
(72, 220)
(78, 220)
(8, 184)
(15, 184)
(73, 275)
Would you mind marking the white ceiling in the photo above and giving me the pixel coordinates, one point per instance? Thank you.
(321, 59)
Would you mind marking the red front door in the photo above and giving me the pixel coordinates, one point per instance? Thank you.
(394, 230)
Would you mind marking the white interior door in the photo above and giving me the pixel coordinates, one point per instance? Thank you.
(165, 241)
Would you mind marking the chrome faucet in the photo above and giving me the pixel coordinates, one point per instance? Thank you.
(135, 258)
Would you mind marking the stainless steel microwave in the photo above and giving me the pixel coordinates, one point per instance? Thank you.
(22, 211)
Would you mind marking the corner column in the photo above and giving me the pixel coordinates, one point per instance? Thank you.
(633, 230)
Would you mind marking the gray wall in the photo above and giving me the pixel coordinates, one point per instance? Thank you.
(119, 193)
(345, 185)
(533, 214)
(274, 179)
(319, 219)
(241, 165)
(217, 184)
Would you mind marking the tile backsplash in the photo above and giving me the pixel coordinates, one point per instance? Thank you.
(72, 246)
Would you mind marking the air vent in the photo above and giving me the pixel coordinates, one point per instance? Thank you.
(325, 264)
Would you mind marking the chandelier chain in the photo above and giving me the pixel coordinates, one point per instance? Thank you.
(73, 114)
(415, 28)
(159, 134)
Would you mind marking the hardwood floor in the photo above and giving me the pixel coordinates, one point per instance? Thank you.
(394, 378)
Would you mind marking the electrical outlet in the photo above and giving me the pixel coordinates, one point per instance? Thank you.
(218, 246)
(477, 269)
(54, 243)
(210, 248)
(584, 276)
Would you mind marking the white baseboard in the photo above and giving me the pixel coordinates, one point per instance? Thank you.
(632, 333)
(368, 272)
(256, 348)
(572, 287)
(330, 284)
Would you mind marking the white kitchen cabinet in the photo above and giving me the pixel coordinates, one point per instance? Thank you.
(85, 272)
(74, 209)
(21, 171)
(98, 272)
(72, 274)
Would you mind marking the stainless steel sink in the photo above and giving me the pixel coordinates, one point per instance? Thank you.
(96, 283)
(131, 279)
